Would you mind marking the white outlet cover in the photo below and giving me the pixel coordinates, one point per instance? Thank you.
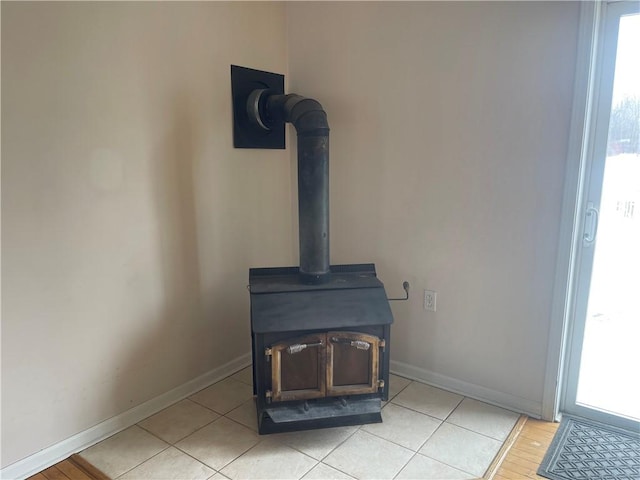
(430, 300)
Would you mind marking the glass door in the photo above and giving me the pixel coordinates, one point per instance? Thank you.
(603, 366)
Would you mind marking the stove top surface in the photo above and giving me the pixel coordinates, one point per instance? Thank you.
(287, 279)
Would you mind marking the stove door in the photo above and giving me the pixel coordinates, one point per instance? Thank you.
(299, 368)
(352, 363)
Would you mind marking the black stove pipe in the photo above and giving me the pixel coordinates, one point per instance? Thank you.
(310, 122)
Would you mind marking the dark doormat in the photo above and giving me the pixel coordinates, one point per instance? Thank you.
(586, 450)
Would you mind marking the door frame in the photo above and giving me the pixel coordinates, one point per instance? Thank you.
(565, 321)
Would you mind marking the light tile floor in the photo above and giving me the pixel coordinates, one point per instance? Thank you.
(427, 433)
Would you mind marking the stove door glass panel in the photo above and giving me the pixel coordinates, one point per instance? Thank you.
(300, 371)
(352, 363)
(354, 366)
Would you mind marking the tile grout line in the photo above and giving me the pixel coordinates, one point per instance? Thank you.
(336, 469)
(474, 431)
(330, 452)
(220, 415)
(321, 460)
(215, 470)
(418, 411)
(359, 428)
(173, 444)
(179, 449)
(314, 466)
(502, 442)
(399, 391)
(390, 401)
(454, 409)
(263, 440)
(230, 462)
(196, 430)
(236, 458)
(442, 422)
(399, 445)
(405, 465)
(415, 452)
(431, 458)
(152, 456)
(479, 433)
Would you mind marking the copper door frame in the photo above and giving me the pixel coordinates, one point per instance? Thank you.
(317, 341)
(324, 345)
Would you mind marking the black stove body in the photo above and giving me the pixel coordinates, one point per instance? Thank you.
(320, 351)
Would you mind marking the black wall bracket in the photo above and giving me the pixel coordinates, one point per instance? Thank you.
(246, 133)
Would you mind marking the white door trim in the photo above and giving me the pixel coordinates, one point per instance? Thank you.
(594, 164)
(571, 221)
(581, 179)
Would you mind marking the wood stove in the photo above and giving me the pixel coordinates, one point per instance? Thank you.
(320, 333)
(320, 351)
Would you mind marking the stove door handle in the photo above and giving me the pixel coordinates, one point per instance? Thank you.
(359, 344)
(298, 347)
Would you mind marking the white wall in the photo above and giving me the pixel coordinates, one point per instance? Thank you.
(449, 129)
(129, 221)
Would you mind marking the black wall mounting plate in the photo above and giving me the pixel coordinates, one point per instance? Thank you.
(245, 133)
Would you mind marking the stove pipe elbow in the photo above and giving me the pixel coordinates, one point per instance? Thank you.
(310, 121)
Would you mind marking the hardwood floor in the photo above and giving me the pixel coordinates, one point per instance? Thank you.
(527, 451)
(73, 468)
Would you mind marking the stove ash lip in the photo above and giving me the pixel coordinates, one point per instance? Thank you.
(267, 109)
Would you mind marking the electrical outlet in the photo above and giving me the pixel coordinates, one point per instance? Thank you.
(430, 297)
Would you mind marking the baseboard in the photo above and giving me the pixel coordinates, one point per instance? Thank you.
(61, 450)
(494, 397)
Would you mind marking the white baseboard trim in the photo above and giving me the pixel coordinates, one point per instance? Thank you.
(494, 397)
(51, 455)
